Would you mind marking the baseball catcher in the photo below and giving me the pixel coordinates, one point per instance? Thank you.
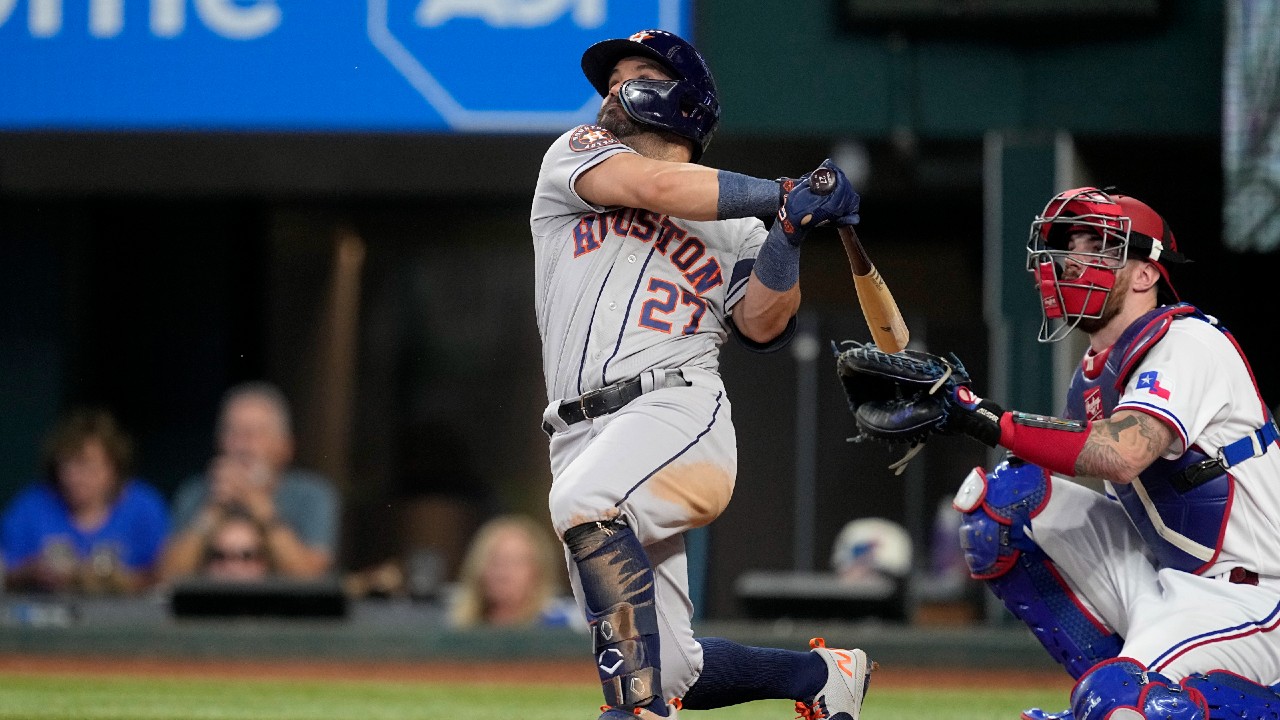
(1160, 595)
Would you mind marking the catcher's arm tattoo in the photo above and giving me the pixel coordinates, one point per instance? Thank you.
(1122, 446)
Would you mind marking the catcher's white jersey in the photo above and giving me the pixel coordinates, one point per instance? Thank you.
(1171, 620)
(620, 290)
(1197, 383)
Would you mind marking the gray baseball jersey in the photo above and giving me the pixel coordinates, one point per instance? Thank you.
(625, 293)
(621, 290)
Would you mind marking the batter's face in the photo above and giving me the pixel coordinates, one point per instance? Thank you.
(612, 117)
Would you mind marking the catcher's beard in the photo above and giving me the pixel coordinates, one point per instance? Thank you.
(1111, 308)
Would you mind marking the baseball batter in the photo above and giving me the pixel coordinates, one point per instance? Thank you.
(646, 263)
(1161, 595)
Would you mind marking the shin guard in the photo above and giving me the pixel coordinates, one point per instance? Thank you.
(995, 534)
(1122, 689)
(617, 586)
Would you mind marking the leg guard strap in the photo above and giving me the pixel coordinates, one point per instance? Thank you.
(630, 690)
(619, 623)
(997, 511)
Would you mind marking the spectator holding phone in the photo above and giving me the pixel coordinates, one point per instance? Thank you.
(253, 474)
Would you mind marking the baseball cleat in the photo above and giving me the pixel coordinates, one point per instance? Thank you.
(615, 713)
(848, 675)
(1038, 714)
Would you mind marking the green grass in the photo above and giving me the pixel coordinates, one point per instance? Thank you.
(69, 697)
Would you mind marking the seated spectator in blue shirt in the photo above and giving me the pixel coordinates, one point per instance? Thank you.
(253, 474)
(88, 527)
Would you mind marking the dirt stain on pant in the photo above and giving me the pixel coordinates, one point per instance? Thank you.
(704, 488)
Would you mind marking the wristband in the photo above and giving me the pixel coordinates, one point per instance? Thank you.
(778, 264)
(745, 196)
(1052, 443)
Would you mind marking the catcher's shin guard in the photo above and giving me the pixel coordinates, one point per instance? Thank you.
(617, 585)
(1122, 689)
(997, 511)
(1231, 696)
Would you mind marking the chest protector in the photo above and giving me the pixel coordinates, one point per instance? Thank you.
(1179, 506)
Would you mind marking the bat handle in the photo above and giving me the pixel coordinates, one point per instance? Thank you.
(859, 262)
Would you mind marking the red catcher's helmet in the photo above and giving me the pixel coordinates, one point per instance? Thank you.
(1129, 229)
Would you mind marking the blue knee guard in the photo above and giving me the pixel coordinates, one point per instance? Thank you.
(1122, 689)
(617, 585)
(997, 511)
(1232, 696)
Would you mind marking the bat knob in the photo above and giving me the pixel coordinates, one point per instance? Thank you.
(822, 181)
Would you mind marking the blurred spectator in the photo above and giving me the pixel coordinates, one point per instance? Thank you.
(253, 474)
(88, 527)
(236, 550)
(511, 576)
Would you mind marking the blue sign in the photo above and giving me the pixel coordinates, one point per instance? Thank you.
(312, 65)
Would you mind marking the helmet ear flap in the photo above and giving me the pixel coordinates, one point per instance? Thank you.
(676, 106)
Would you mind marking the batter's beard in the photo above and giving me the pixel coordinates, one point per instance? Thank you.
(616, 120)
(645, 139)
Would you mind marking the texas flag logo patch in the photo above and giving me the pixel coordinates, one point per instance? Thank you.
(1151, 381)
(591, 137)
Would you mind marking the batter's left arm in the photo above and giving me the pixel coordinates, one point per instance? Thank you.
(763, 313)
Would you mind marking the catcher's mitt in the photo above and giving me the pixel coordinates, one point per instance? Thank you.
(900, 397)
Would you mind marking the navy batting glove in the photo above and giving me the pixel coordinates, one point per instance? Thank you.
(804, 209)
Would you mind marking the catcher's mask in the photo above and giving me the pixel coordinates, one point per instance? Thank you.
(1122, 227)
(687, 106)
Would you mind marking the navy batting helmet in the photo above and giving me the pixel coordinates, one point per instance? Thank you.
(687, 106)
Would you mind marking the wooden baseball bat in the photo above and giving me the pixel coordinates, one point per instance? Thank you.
(888, 329)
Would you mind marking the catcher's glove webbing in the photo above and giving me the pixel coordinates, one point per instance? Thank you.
(900, 397)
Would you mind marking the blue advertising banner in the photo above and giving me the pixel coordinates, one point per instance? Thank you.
(308, 65)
